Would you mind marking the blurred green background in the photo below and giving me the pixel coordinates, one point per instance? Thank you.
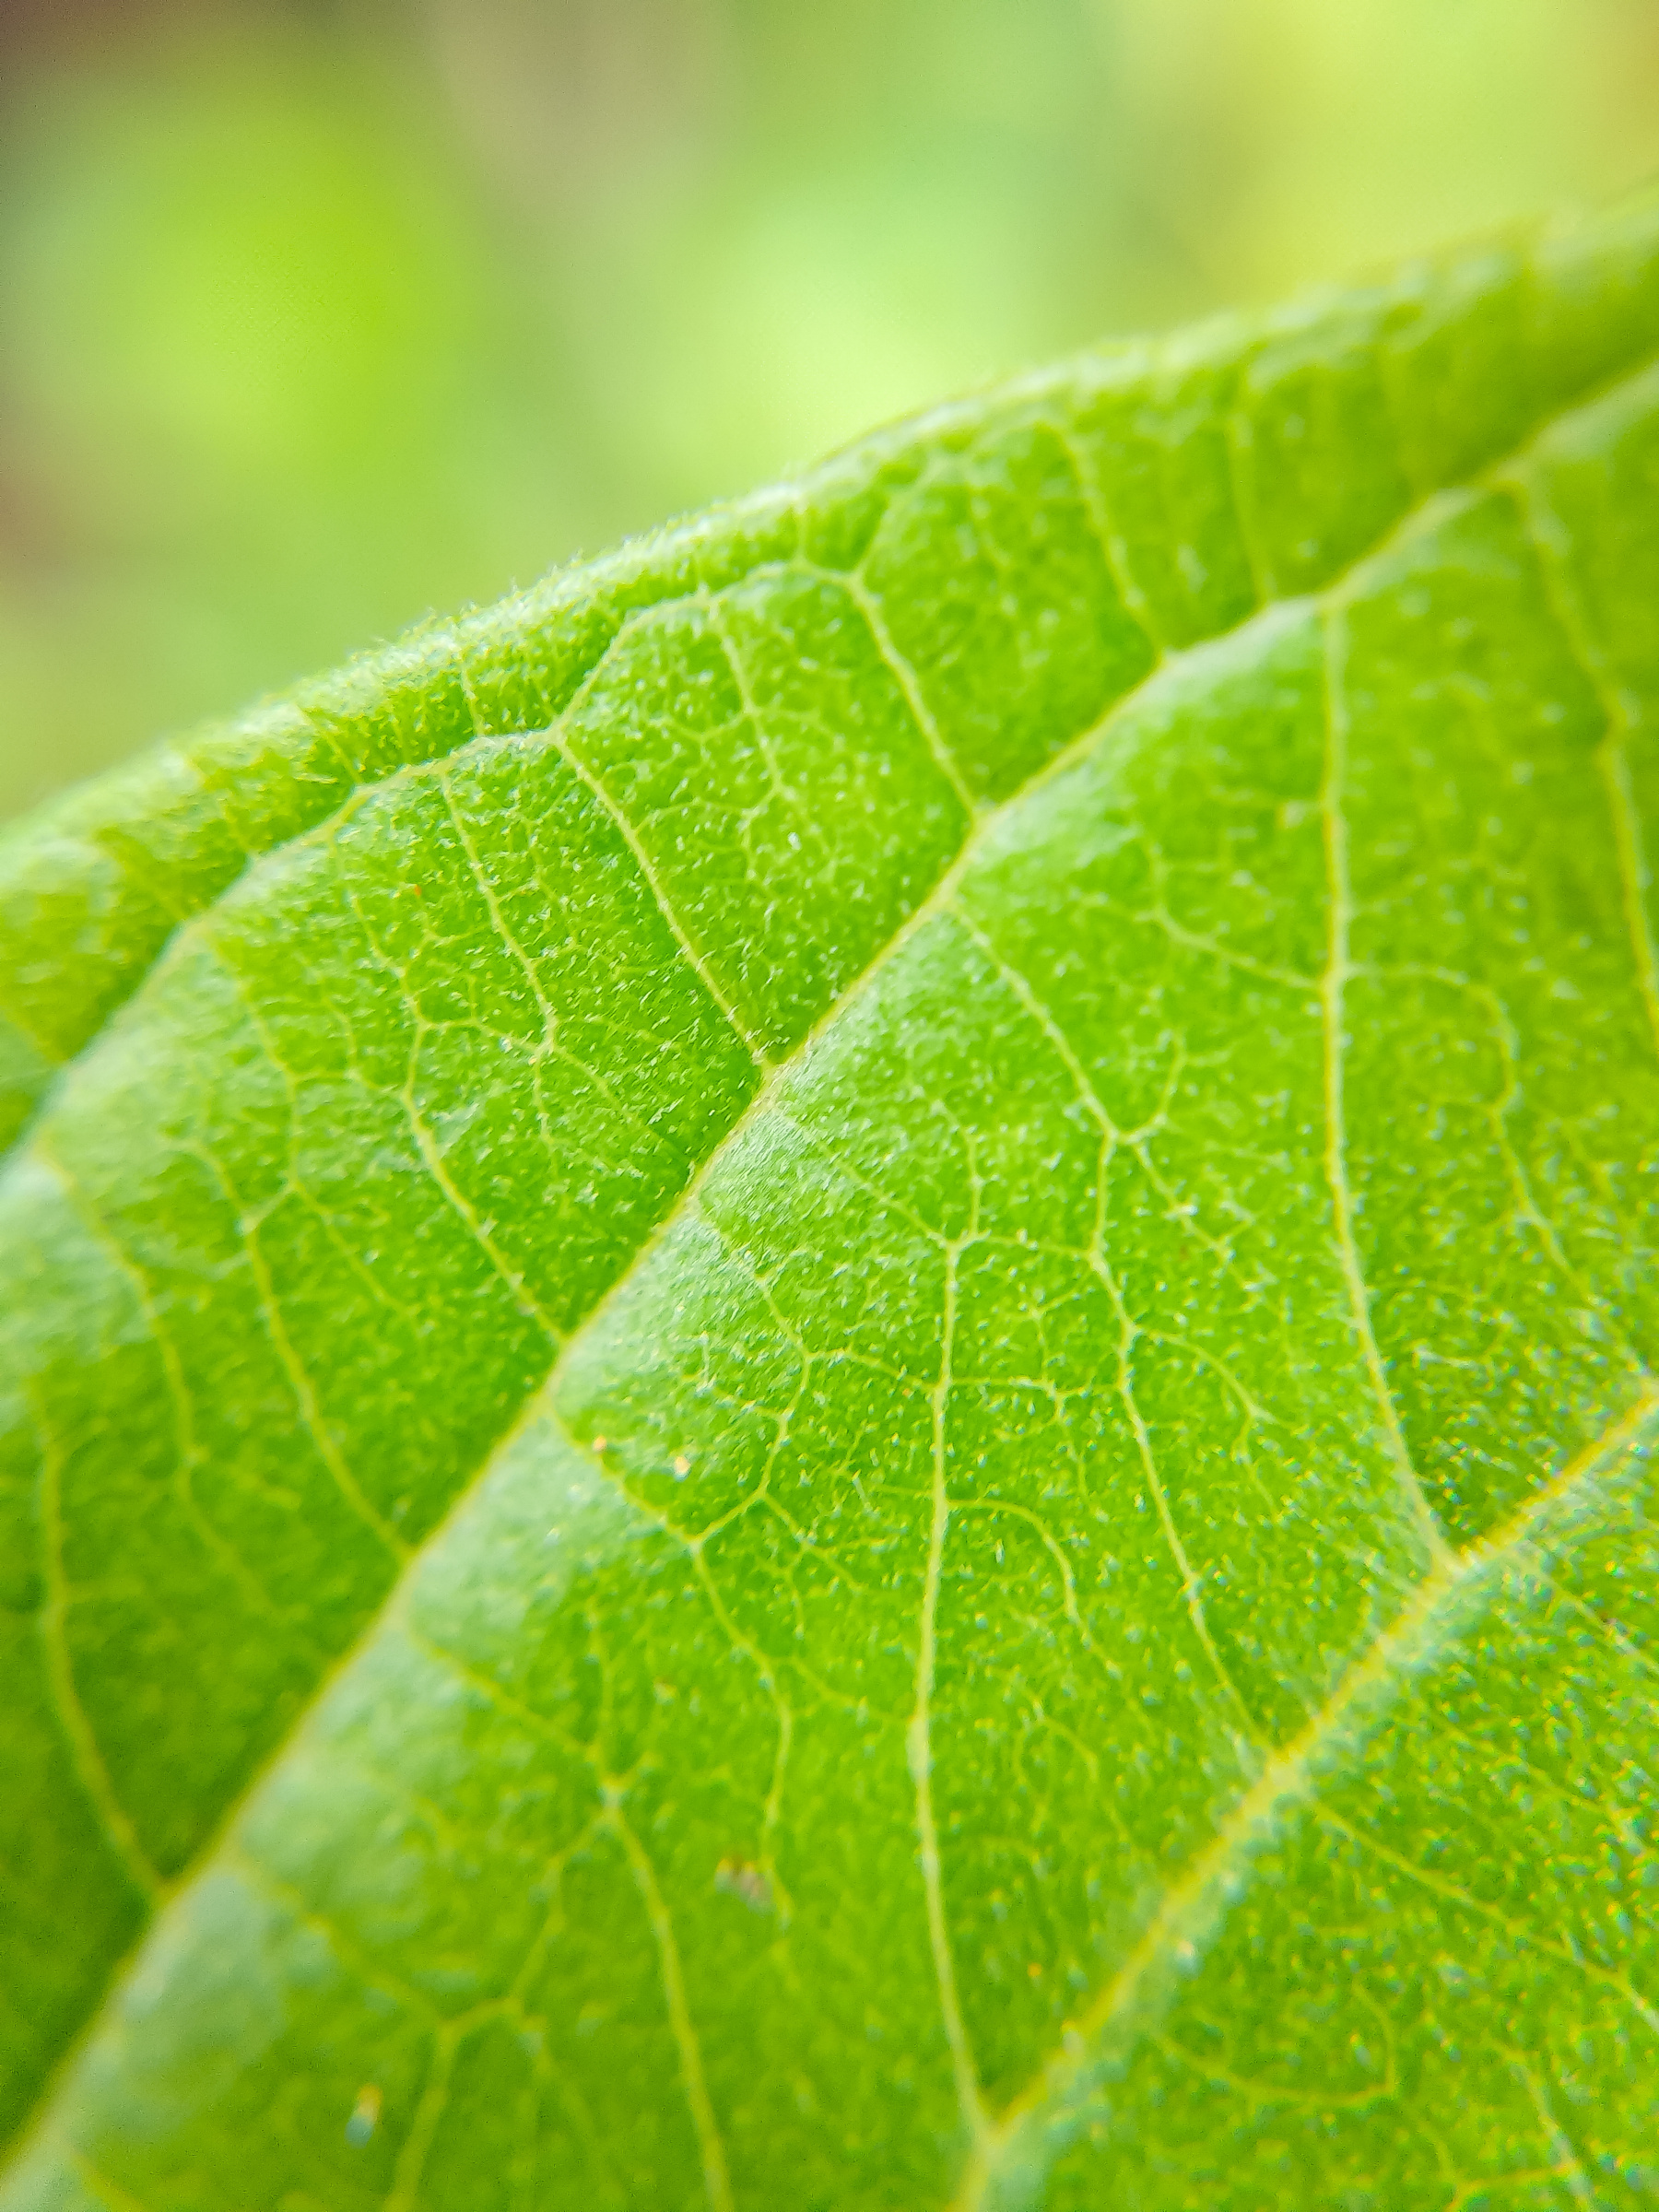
(313, 318)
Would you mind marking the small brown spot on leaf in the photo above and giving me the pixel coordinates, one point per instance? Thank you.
(737, 1877)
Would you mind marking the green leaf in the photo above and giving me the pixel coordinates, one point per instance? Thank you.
(826, 1367)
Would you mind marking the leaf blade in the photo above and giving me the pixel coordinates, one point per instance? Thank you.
(1242, 943)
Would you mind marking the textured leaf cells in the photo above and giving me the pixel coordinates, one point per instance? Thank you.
(826, 1367)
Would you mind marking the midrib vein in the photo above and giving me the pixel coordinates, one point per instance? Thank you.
(1263, 622)
(1189, 1903)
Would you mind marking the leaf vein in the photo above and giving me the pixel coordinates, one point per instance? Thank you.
(1413, 521)
(1333, 984)
(85, 1753)
(717, 2186)
(1548, 536)
(1197, 1896)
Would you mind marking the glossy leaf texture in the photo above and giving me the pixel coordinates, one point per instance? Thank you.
(827, 1363)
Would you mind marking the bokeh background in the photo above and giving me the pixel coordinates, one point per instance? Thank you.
(316, 317)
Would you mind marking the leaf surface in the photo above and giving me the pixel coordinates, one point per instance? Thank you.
(826, 1370)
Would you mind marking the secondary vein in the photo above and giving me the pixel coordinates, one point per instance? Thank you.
(1195, 1902)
